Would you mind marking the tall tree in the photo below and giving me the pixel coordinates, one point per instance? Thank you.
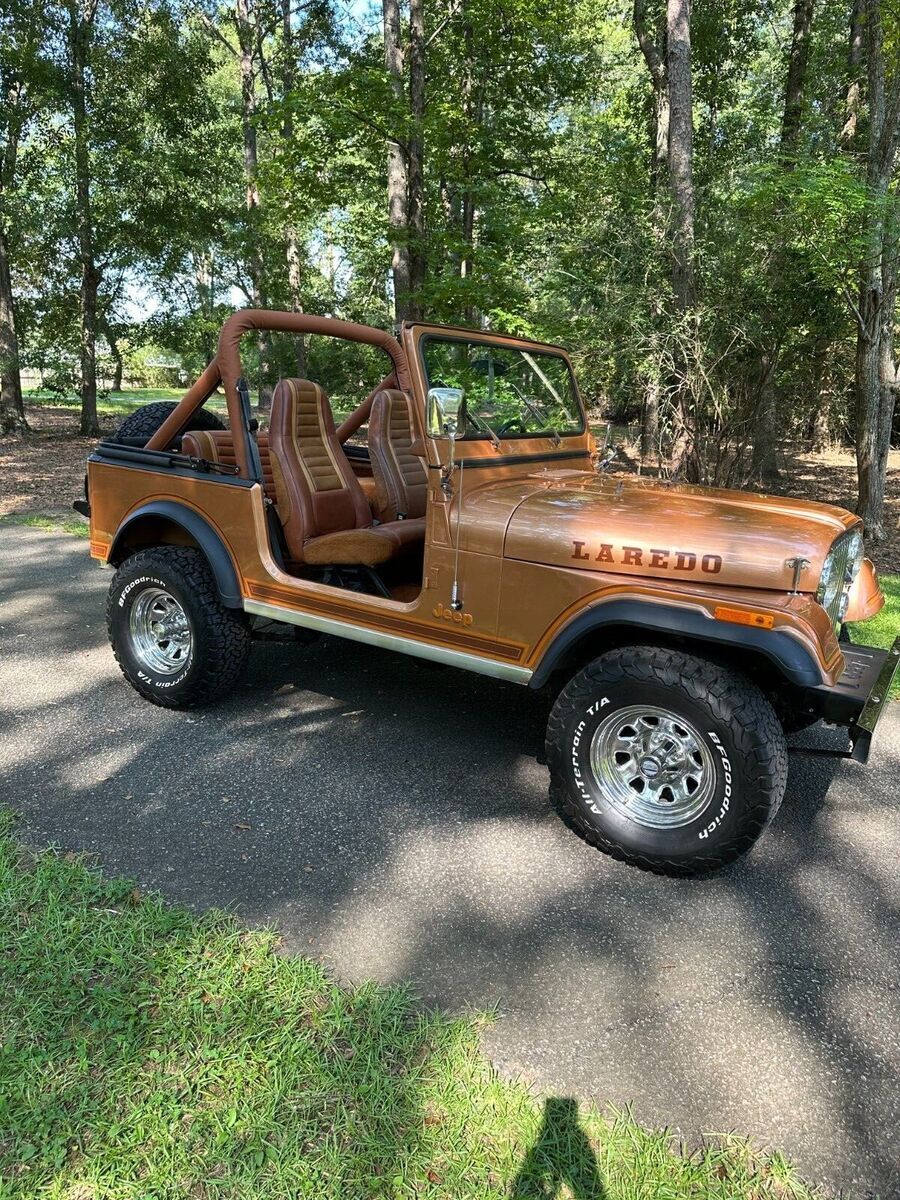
(82, 14)
(654, 57)
(292, 252)
(764, 464)
(20, 28)
(681, 151)
(877, 379)
(397, 173)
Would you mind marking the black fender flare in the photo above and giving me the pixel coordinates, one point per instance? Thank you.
(204, 535)
(791, 658)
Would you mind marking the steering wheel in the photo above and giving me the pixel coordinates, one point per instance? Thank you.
(510, 425)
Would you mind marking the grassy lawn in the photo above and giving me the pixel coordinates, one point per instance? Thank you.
(147, 1053)
(881, 630)
(109, 403)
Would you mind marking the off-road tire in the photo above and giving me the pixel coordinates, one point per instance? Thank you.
(220, 640)
(741, 732)
(145, 421)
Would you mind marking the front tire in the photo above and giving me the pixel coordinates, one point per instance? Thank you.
(665, 760)
(176, 642)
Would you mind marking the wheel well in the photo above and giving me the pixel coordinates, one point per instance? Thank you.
(749, 662)
(168, 523)
(150, 530)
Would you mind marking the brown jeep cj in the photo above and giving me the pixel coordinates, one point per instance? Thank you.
(683, 629)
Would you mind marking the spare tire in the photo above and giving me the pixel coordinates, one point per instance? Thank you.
(140, 426)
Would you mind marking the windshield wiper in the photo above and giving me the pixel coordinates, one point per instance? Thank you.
(536, 413)
(485, 427)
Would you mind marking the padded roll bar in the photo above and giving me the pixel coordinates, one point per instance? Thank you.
(226, 369)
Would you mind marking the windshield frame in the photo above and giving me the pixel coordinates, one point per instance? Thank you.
(523, 346)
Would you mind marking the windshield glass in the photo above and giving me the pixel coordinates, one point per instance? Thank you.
(507, 391)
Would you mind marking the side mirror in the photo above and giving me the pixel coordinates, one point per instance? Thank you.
(442, 414)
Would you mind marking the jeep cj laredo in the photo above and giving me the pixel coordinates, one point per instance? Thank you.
(684, 629)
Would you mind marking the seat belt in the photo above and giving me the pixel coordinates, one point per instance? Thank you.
(272, 523)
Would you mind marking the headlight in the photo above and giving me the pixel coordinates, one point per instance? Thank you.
(841, 566)
(829, 582)
(855, 551)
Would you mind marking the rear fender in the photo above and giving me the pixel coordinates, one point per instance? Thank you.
(139, 527)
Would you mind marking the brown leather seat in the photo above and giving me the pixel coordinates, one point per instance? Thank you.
(326, 517)
(400, 480)
(218, 446)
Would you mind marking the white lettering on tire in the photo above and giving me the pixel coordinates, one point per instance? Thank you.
(591, 711)
(129, 587)
(726, 798)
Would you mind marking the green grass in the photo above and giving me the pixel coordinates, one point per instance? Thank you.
(110, 404)
(118, 404)
(885, 627)
(74, 525)
(148, 1053)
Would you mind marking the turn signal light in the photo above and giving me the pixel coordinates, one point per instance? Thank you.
(741, 616)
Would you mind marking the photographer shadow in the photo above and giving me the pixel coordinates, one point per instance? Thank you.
(562, 1154)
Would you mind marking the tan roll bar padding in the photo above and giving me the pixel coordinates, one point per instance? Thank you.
(226, 369)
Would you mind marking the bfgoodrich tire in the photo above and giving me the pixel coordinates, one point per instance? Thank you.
(176, 643)
(144, 421)
(665, 760)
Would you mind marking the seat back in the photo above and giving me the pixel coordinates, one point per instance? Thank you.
(316, 490)
(400, 478)
(218, 446)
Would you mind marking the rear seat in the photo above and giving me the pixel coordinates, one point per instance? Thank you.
(218, 446)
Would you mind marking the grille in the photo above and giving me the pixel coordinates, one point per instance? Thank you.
(841, 552)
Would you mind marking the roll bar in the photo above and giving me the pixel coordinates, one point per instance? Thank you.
(226, 369)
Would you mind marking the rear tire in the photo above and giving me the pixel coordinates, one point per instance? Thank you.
(176, 642)
(144, 421)
(665, 760)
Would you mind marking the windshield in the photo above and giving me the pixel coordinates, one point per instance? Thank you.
(507, 391)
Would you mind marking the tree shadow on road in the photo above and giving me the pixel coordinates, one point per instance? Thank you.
(561, 1154)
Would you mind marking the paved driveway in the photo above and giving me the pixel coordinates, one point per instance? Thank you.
(399, 827)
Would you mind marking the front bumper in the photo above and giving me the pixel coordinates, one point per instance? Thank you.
(860, 696)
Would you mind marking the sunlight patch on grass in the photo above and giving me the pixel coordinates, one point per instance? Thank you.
(148, 1051)
(882, 629)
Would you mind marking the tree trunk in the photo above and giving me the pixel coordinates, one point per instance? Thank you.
(764, 464)
(81, 22)
(876, 381)
(416, 179)
(397, 176)
(256, 264)
(659, 136)
(472, 111)
(12, 409)
(795, 85)
(115, 354)
(681, 151)
(203, 281)
(855, 55)
(291, 237)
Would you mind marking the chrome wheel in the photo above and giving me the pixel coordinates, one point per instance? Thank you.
(652, 766)
(160, 631)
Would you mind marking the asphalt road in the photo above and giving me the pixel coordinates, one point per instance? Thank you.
(399, 828)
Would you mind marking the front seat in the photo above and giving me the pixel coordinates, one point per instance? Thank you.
(401, 484)
(326, 517)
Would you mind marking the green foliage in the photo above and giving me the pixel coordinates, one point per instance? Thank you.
(148, 1051)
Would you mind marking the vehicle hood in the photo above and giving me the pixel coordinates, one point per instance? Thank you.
(652, 528)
